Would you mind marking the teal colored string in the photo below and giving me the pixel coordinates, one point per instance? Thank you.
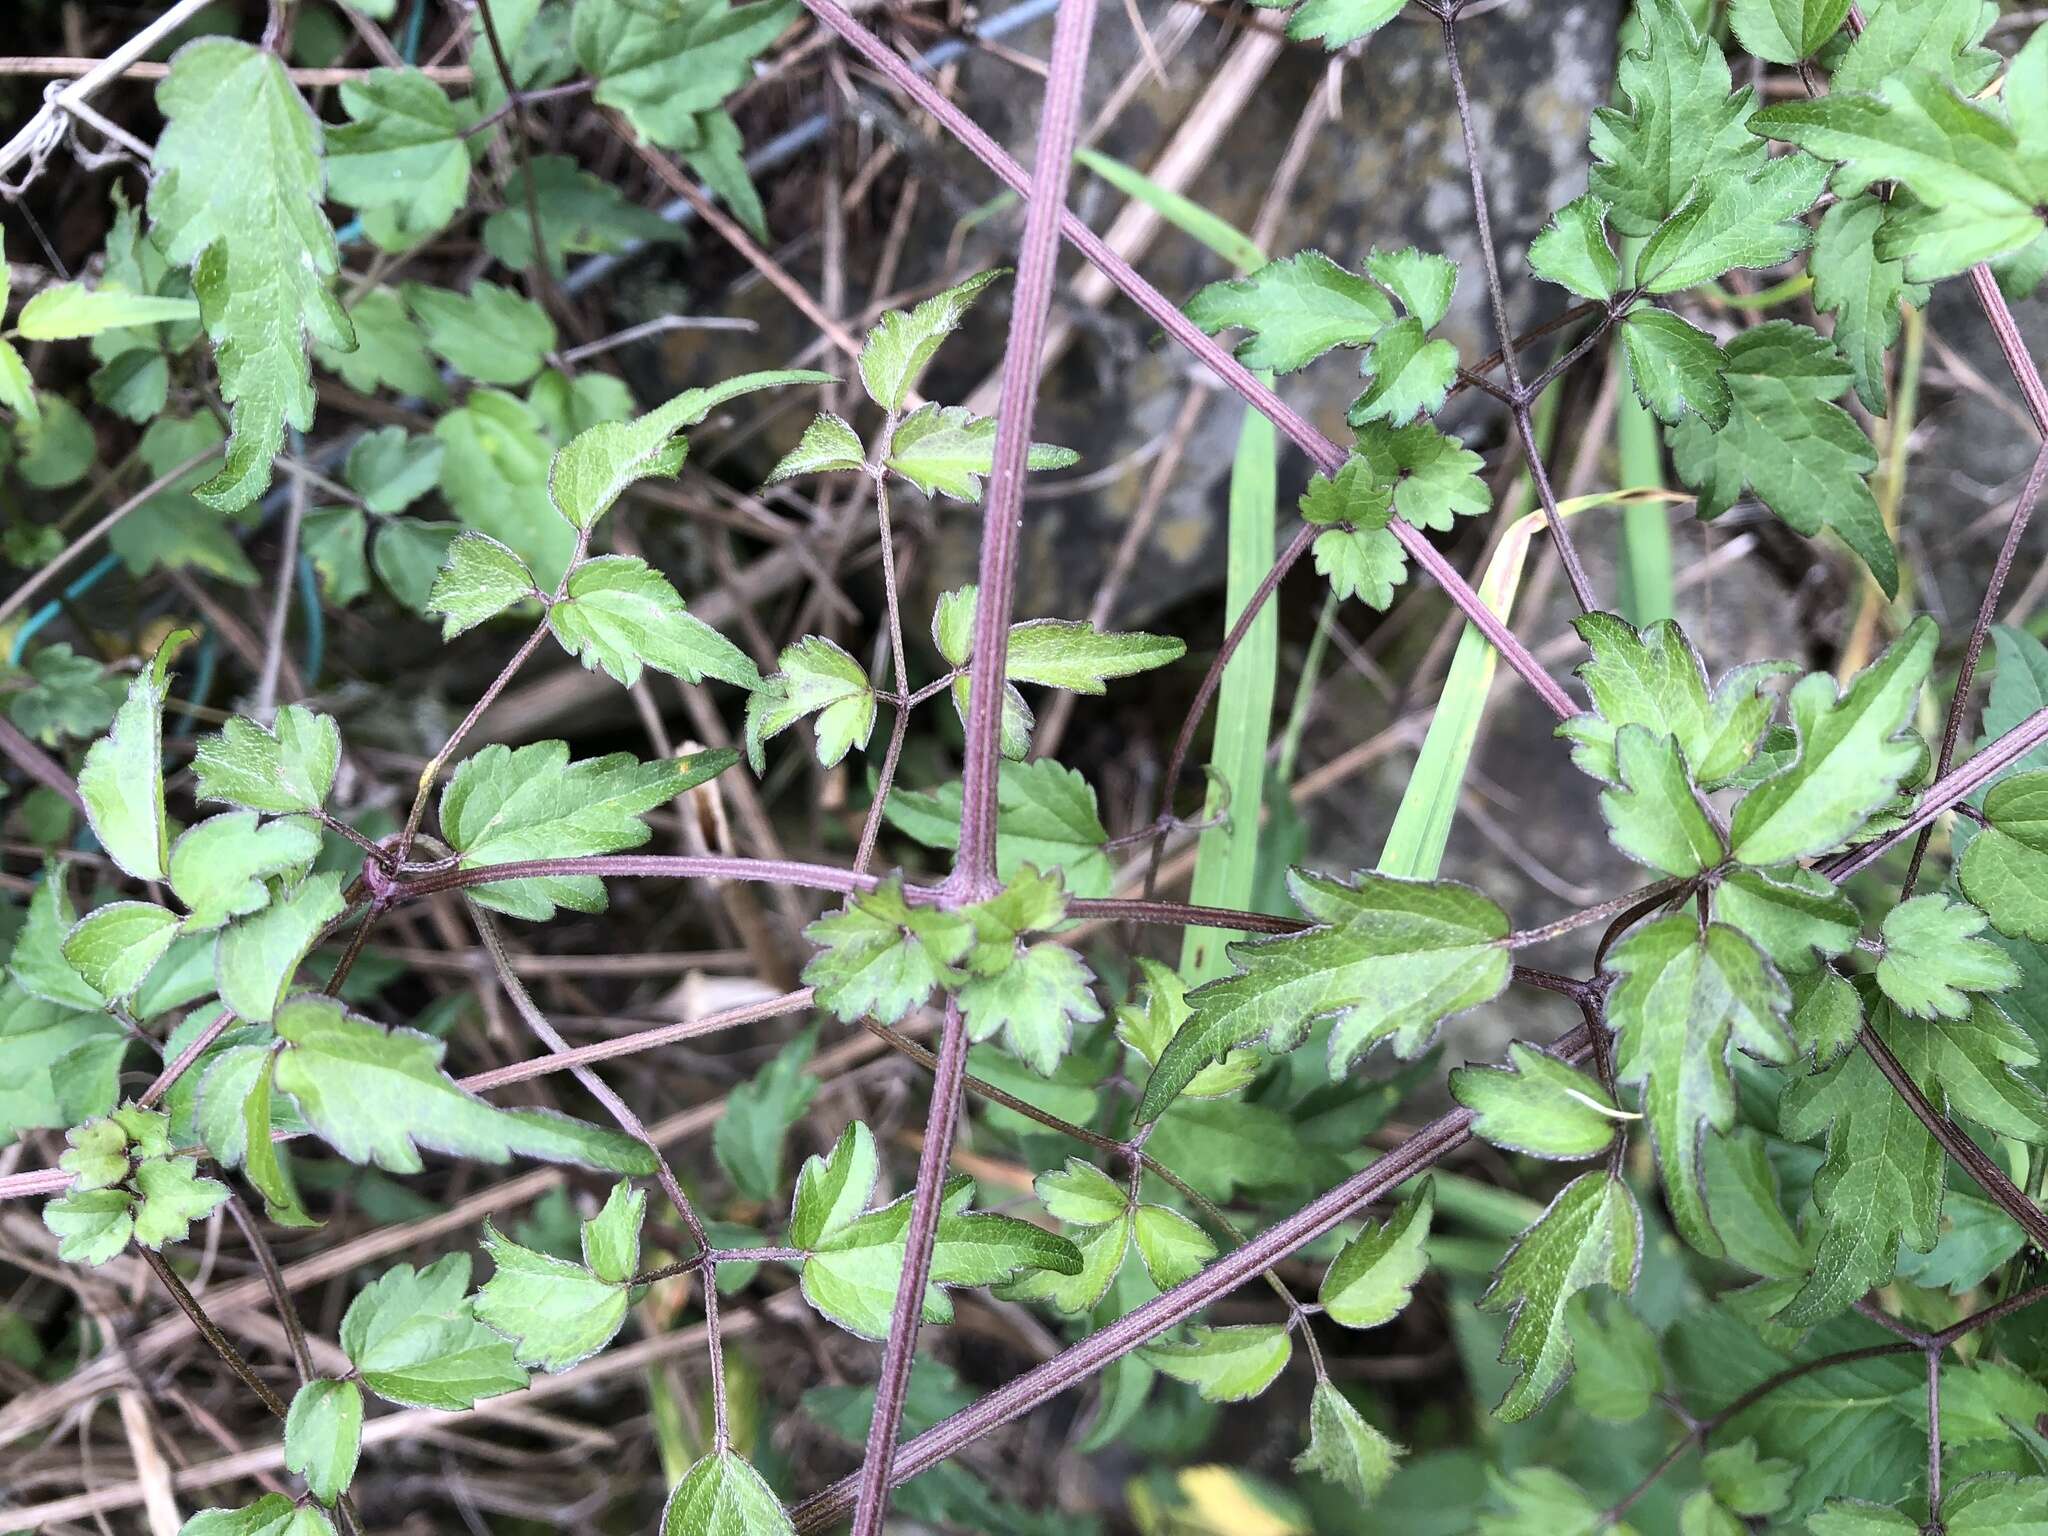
(81, 584)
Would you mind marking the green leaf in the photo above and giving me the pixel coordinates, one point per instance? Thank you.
(751, 1138)
(64, 695)
(1789, 913)
(1590, 1235)
(1046, 818)
(478, 580)
(665, 65)
(402, 153)
(391, 469)
(600, 462)
(236, 198)
(1374, 1275)
(611, 1238)
(1933, 959)
(271, 1515)
(831, 1191)
(123, 776)
(390, 353)
(285, 768)
(1901, 35)
(1684, 998)
(69, 311)
(1853, 752)
(1654, 814)
(1033, 1003)
(1977, 192)
(1857, 1517)
(1733, 219)
(1388, 958)
(38, 963)
(1537, 1105)
(814, 676)
(723, 1496)
(114, 947)
(580, 214)
(621, 614)
(323, 1436)
(880, 957)
(1786, 31)
(945, 450)
(1675, 367)
(2004, 869)
(1803, 457)
(853, 1272)
(235, 1115)
(1147, 1024)
(1081, 1194)
(1226, 1365)
(1102, 1250)
(490, 334)
(506, 804)
(1656, 679)
(218, 867)
(1618, 1372)
(1344, 1448)
(91, 1226)
(828, 444)
(1544, 1502)
(555, 1313)
(1335, 23)
(257, 956)
(1174, 1249)
(1682, 122)
(1297, 309)
(1075, 655)
(1861, 289)
(412, 1336)
(1750, 1485)
(1423, 281)
(378, 1095)
(170, 1196)
(494, 473)
(903, 342)
(1411, 375)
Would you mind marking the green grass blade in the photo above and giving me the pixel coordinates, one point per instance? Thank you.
(1190, 218)
(1646, 580)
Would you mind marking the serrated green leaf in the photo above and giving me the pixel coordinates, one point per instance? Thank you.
(828, 444)
(1410, 375)
(945, 450)
(490, 334)
(1388, 958)
(1861, 289)
(1750, 1485)
(880, 957)
(1789, 913)
(667, 65)
(1786, 31)
(2004, 870)
(1977, 193)
(1147, 1024)
(1543, 1502)
(554, 1313)
(1226, 1365)
(1853, 753)
(257, 956)
(1033, 1003)
(285, 768)
(1174, 1249)
(1344, 1448)
(402, 152)
(751, 1137)
(1686, 997)
(1804, 457)
(323, 1436)
(235, 1114)
(1081, 1194)
(1682, 122)
(219, 866)
(621, 615)
(1297, 309)
(1374, 1275)
(903, 342)
(1617, 1370)
(1336, 23)
(37, 963)
(377, 1096)
(1572, 250)
(1537, 1105)
(814, 676)
(831, 1191)
(1075, 655)
(236, 198)
(114, 947)
(412, 1336)
(1675, 367)
(479, 579)
(391, 469)
(1933, 959)
(1654, 814)
(580, 214)
(1902, 35)
(723, 1496)
(1733, 219)
(1102, 1250)
(271, 1515)
(390, 352)
(122, 781)
(1591, 1234)
(170, 1196)
(91, 1226)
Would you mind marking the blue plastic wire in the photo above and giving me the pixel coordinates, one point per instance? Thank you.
(81, 584)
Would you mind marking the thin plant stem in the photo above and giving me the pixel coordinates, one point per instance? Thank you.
(208, 1330)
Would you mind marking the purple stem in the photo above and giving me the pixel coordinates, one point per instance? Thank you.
(1326, 455)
